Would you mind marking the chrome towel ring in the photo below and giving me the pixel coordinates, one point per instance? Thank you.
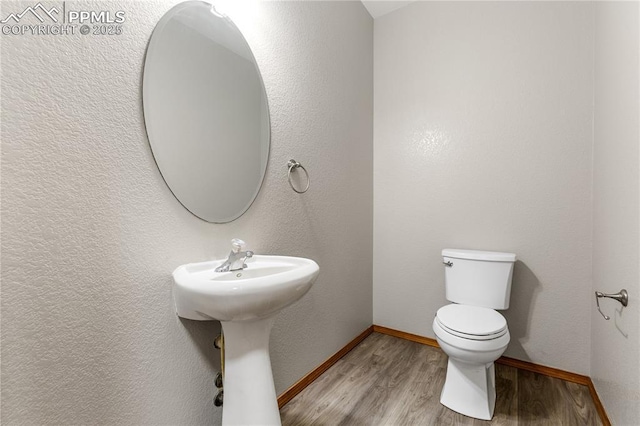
(622, 296)
(292, 165)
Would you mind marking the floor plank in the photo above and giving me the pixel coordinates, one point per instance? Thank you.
(390, 381)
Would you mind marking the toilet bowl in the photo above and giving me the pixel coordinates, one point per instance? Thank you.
(473, 338)
(470, 331)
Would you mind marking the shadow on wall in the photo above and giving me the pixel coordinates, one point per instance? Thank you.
(620, 325)
(524, 291)
(203, 333)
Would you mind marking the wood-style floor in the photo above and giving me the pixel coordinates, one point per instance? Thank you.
(391, 381)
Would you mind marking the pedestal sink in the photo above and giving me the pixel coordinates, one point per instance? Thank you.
(246, 303)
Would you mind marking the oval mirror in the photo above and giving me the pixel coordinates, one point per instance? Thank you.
(206, 112)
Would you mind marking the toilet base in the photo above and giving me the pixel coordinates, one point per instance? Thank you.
(470, 389)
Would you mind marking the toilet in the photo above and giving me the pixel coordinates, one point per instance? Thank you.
(470, 330)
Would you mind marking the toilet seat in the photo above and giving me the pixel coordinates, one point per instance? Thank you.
(471, 322)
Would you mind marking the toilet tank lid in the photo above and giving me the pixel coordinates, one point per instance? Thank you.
(492, 256)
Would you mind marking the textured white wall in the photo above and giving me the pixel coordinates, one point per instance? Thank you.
(615, 347)
(482, 140)
(91, 233)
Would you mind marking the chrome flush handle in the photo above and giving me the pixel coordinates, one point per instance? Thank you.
(449, 264)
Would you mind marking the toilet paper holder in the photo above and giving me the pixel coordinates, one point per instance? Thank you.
(622, 296)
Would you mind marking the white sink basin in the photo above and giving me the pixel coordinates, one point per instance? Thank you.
(246, 303)
(268, 284)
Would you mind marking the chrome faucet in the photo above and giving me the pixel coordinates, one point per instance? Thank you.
(236, 259)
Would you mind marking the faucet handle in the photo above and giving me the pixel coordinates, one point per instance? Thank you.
(237, 245)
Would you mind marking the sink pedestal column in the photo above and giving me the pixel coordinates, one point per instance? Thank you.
(249, 394)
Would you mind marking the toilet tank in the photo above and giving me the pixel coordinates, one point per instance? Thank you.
(478, 278)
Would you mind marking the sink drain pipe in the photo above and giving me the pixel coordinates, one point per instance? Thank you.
(219, 381)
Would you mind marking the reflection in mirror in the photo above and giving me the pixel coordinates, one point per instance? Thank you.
(206, 112)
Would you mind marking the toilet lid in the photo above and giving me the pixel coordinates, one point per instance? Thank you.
(471, 322)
